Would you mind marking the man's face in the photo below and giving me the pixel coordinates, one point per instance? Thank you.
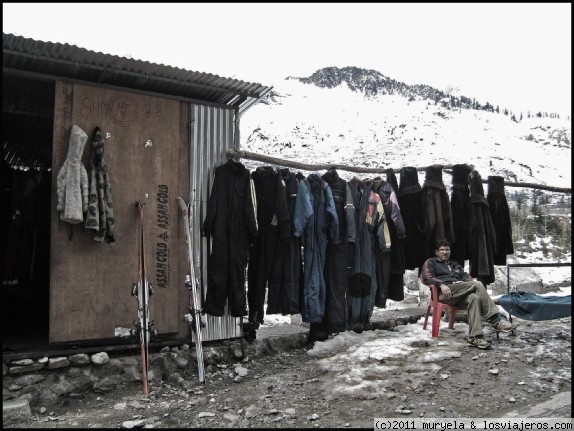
(443, 252)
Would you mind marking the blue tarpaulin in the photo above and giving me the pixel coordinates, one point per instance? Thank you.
(529, 306)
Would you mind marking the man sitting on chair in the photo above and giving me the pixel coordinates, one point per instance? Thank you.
(457, 287)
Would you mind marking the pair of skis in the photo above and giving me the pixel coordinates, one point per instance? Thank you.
(193, 318)
(142, 290)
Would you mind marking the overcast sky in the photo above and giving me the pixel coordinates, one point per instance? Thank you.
(516, 55)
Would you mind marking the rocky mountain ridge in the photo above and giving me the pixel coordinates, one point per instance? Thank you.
(372, 83)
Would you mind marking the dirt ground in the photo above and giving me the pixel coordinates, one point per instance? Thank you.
(295, 390)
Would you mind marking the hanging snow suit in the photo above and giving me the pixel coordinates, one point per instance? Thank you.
(396, 282)
(482, 237)
(389, 287)
(411, 203)
(272, 213)
(371, 231)
(500, 215)
(231, 223)
(286, 278)
(316, 217)
(460, 208)
(336, 264)
(436, 206)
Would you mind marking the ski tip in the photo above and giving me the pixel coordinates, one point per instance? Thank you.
(182, 203)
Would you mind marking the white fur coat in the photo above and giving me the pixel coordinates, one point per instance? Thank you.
(72, 182)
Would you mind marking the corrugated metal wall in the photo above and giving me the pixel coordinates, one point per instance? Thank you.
(212, 133)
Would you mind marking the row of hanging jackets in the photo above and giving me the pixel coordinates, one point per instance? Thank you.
(312, 242)
(332, 249)
(478, 227)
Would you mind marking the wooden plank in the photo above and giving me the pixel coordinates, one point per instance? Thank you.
(91, 281)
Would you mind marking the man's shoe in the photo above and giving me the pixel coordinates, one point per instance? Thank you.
(504, 326)
(479, 342)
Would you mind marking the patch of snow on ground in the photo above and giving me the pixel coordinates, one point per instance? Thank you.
(378, 355)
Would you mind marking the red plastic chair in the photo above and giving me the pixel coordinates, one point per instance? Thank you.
(438, 309)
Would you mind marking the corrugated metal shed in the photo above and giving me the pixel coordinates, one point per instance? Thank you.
(31, 70)
(78, 64)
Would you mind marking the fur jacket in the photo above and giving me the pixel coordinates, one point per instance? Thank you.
(72, 181)
(100, 216)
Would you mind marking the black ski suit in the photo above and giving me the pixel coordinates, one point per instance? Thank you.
(232, 225)
(500, 214)
(411, 202)
(436, 207)
(336, 264)
(286, 278)
(460, 207)
(481, 234)
(272, 214)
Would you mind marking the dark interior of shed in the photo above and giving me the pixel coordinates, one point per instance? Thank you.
(27, 133)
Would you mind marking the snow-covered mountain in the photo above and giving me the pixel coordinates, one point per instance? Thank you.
(360, 117)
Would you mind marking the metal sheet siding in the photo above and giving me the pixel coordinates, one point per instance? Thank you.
(211, 135)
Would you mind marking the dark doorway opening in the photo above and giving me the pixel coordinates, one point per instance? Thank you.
(26, 175)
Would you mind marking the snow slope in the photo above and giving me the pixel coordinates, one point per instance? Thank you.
(309, 124)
